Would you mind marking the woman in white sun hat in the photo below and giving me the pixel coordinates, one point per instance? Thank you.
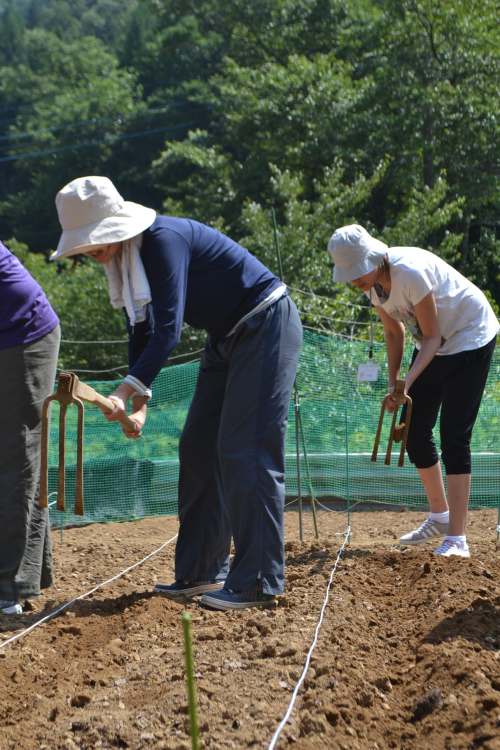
(455, 329)
(165, 270)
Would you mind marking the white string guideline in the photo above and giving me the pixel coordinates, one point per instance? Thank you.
(60, 609)
(287, 715)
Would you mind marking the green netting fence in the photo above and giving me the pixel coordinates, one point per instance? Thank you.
(131, 479)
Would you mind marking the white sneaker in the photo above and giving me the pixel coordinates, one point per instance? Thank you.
(10, 608)
(449, 548)
(428, 530)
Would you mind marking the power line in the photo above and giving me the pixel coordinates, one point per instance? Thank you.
(336, 334)
(336, 319)
(125, 367)
(109, 142)
(323, 296)
(28, 107)
(96, 341)
(118, 119)
(98, 372)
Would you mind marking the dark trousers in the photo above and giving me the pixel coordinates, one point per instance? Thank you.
(232, 454)
(455, 383)
(27, 376)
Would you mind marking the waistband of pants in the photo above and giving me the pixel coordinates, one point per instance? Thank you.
(275, 295)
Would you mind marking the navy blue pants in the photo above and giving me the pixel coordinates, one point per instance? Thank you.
(232, 454)
(454, 383)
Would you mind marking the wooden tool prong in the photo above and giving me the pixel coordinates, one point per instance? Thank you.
(398, 432)
(71, 391)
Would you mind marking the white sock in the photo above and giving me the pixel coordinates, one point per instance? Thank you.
(460, 540)
(443, 517)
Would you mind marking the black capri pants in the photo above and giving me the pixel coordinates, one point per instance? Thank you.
(454, 382)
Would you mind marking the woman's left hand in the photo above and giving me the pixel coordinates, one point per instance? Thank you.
(139, 417)
(119, 399)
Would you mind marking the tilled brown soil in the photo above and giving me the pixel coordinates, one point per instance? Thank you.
(407, 655)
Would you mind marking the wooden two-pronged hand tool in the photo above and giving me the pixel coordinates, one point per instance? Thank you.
(398, 433)
(70, 391)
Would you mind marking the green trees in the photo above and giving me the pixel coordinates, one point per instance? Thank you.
(408, 84)
(11, 32)
(72, 104)
(432, 108)
(383, 112)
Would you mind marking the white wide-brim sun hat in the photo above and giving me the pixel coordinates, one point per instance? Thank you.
(92, 213)
(354, 252)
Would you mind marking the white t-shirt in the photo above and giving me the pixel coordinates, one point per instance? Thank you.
(466, 319)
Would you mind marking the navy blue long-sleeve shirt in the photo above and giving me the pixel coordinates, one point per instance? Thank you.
(197, 275)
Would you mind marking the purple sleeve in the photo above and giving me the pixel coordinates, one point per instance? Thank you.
(25, 312)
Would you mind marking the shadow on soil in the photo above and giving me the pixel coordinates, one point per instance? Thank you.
(83, 608)
(479, 622)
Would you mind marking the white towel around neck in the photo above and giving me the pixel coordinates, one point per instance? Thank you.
(128, 285)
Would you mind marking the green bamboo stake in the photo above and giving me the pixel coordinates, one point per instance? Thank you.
(308, 475)
(190, 681)
(61, 528)
(348, 489)
(297, 458)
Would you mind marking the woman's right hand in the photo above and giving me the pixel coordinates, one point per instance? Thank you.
(119, 409)
(390, 403)
(393, 400)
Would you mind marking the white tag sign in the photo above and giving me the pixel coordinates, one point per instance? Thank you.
(368, 372)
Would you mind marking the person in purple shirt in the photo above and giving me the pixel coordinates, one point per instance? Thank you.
(29, 346)
(165, 271)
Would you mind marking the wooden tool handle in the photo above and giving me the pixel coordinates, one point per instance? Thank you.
(399, 388)
(107, 406)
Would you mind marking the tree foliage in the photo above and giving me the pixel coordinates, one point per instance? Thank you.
(383, 112)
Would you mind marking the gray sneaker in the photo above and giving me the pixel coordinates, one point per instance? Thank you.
(183, 590)
(427, 531)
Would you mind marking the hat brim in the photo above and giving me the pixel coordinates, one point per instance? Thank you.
(131, 220)
(346, 275)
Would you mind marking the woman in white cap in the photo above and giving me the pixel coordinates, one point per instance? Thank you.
(455, 329)
(165, 270)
